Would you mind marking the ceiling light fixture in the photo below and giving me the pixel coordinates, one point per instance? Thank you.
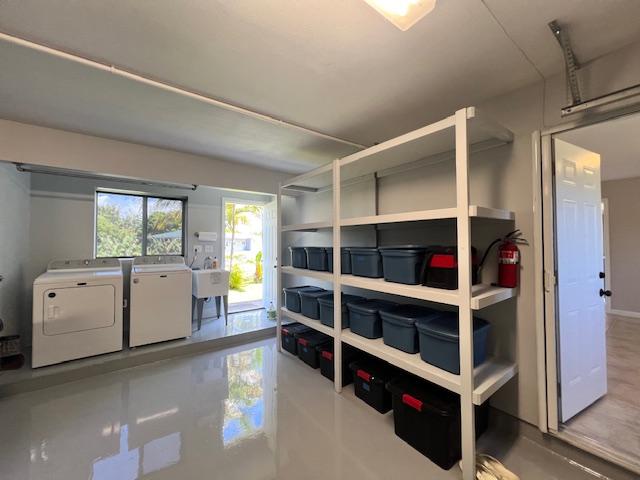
(404, 14)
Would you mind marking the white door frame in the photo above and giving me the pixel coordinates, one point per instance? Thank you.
(607, 252)
(545, 277)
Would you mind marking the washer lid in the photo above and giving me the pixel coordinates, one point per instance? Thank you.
(160, 268)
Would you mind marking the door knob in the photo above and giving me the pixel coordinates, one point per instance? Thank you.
(605, 293)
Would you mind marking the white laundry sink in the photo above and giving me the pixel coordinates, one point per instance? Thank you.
(210, 283)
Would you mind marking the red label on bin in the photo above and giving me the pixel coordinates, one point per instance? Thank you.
(364, 375)
(327, 355)
(303, 342)
(284, 330)
(413, 402)
(443, 261)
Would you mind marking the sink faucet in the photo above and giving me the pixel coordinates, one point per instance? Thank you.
(208, 263)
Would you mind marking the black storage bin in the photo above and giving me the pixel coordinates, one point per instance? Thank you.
(366, 262)
(292, 296)
(399, 329)
(309, 302)
(298, 257)
(440, 341)
(326, 309)
(307, 346)
(440, 268)
(316, 258)
(345, 259)
(364, 317)
(369, 379)
(288, 336)
(403, 264)
(427, 417)
(327, 365)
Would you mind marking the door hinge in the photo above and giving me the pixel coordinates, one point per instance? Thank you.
(549, 281)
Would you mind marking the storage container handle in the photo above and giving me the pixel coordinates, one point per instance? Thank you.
(303, 342)
(364, 375)
(327, 355)
(413, 402)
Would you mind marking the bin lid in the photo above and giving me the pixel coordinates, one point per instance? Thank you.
(407, 315)
(296, 248)
(342, 249)
(306, 288)
(364, 250)
(405, 247)
(315, 293)
(313, 338)
(346, 298)
(424, 396)
(446, 326)
(371, 307)
(294, 328)
(315, 249)
(373, 370)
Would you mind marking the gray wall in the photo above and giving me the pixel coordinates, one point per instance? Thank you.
(62, 220)
(15, 210)
(624, 234)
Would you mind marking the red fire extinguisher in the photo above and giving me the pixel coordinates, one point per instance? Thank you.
(508, 264)
(508, 258)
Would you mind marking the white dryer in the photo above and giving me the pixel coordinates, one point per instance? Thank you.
(160, 300)
(77, 310)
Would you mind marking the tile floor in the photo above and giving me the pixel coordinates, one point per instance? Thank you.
(613, 422)
(246, 413)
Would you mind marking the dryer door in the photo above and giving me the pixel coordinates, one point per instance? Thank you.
(74, 309)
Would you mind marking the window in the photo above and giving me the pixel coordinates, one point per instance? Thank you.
(134, 225)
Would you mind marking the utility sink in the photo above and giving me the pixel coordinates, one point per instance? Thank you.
(209, 283)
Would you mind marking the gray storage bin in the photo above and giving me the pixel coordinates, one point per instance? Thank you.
(440, 339)
(403, 264)
(366, 262)
(316, 258)
(364, 317)
(292, 296)
(298, 257)
(345, 259)
(399, 329)
(326, 309)
(309, 302)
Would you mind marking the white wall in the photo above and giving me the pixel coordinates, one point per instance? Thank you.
(22, 143)
(15, 210)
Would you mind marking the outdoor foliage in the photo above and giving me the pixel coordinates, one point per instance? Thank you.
(237, 279)
(118, 235)
(237, 215)
(258, 275)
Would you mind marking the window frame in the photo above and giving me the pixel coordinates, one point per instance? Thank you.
(145, 197)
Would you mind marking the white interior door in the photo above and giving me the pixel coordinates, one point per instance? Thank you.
(581, 308)
(269, 249)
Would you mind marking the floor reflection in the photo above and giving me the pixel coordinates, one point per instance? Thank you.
(167, 420)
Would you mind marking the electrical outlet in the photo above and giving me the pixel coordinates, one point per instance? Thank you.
(208, 248)
(197, 249)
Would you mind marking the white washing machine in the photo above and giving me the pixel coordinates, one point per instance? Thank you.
(77, 310)
(160, 300)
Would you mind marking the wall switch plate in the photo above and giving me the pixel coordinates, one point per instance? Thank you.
(197, 249)
(208, 248)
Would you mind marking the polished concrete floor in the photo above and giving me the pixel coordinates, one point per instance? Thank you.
(246, 413)
(612, 423)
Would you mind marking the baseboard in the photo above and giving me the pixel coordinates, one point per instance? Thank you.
(624, 313)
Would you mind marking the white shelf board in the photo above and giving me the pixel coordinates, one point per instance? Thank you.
(314, 179)
(428, 141)
(305, 227)
(303, 272)
(422, 215)
(309, 322)
(489, 376)
(482, 295)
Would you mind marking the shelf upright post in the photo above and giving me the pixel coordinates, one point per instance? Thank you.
(337, 288)
(279, 267)
(465, 313)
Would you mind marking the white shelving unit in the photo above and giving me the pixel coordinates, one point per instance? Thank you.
(452, 138)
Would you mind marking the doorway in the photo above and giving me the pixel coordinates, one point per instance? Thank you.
(249, 229)
(592, 306)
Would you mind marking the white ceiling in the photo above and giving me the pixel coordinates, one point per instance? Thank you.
(617, 142)
(332, 65)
